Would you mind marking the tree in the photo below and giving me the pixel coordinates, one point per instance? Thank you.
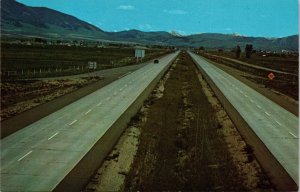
(238, 51)
(248, 50)
(201, 48)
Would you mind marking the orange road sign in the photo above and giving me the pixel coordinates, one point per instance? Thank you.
(271, 76)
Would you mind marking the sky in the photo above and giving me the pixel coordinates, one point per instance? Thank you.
(259, 18)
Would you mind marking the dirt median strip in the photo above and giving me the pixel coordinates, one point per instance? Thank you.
(186, 143)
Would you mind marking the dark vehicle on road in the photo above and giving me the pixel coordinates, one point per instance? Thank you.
(156, 61)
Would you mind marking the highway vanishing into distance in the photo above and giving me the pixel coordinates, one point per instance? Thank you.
(39, 156)
(275, 126)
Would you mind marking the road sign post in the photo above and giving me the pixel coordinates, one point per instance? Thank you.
(271, 76)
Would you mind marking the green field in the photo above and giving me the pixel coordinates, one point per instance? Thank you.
(30, 61)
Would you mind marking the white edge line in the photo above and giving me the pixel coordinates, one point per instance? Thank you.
(293, 135)
(99, 104)
(52, 136)
(24, 155)
(73, 122)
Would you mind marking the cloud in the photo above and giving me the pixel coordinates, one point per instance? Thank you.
(126, 7)
(175, 12)
(228, 29)
(146, 27)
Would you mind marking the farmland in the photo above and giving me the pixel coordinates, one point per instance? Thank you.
(33, 61)
(286, 84)
(278, 61)
(24, 89)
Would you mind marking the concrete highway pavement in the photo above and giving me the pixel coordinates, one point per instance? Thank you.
(27, 117)
(39, 156)
(275, 126)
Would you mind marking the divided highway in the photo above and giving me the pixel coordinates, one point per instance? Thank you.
(276, 127)
(39, 156)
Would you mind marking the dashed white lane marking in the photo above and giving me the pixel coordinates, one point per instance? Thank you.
(121, 89)
(115, 93)
(24, 155)
(246, 95)
(52, 136)
(267, 113)
(293, 135)
(59, 118)
(99, 104)
(278, 123)
(251, 101)
(88, 111)
(73, 122)
(108, 98)
(258, 106)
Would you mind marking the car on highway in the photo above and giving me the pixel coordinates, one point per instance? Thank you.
(156, 61)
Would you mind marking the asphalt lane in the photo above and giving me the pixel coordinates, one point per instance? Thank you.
(39, 156)
(274, 125)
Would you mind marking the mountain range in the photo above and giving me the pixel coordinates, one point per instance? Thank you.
(20, 20)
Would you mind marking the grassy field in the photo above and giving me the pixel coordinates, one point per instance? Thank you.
(57, 60)
(281, 62)
(22, 91)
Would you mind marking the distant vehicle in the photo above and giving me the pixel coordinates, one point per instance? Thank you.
(156, 61)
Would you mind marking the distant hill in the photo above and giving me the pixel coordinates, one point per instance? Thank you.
(24, 20)
(158, 37)
(227, 41)
(21, 20)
